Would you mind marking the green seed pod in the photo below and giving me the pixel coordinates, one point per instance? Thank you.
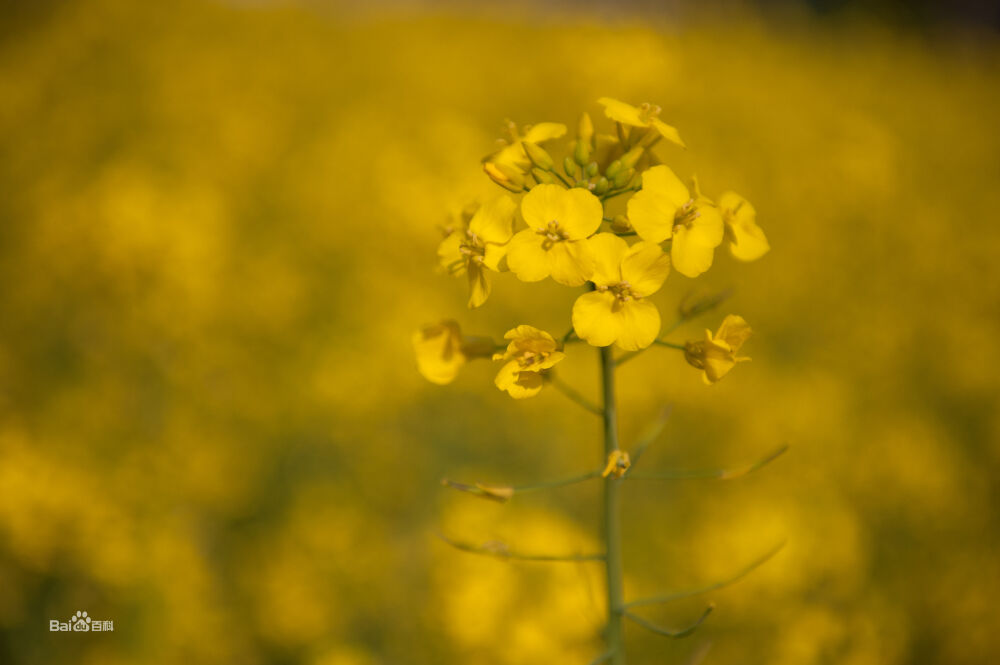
(538, 156)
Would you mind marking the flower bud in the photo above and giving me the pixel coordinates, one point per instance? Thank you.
(591, 170)
(614, 169)
(581, 152)
(621, 224)
(542, 177)
(505, 176)
(602, 186)
(569, 166)
(622, 177)
(630, 158)
(585, 129)
(538, 155)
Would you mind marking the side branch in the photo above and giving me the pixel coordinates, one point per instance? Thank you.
(666, 598)
(684, 632)
(503, 493)
(718, 474)
(571, 392)
(501, 551)
(651, 433)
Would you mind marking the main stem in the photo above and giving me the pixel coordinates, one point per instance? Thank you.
(612, 515)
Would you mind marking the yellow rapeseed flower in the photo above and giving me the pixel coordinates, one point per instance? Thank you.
(664, 208)
(559, 221)
(530, 351)
(478, 246)
(617, 311)
(441, 350)
(716, 355)
(644, 115)
(746, 240)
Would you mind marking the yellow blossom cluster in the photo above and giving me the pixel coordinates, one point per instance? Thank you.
(582, 201)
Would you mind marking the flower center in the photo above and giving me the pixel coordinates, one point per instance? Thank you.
(622, 291)
(552, 234)
(473, 248)
(686, 214)
(648, 111)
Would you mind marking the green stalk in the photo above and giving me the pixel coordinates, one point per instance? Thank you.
(614, 633)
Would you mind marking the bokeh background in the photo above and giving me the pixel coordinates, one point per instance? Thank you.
(217, 234)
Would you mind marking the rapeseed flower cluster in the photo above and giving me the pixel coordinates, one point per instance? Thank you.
(599, 211)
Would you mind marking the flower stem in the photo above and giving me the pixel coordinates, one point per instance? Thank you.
(614, 632)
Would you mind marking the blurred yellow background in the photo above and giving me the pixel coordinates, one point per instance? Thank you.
(217, 233)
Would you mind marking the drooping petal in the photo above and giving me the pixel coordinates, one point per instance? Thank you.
(494, 221)
(734, 331)
(593, 318)
(651, 211)
(571, 263)
(545, 131)
(622, 112)
(747, 241)
(526, 258)
(608, 250)
(439, 351)
(639, 324)
(645, 268)
(518, 383)
(667, 131)
(479, 285)
(450, 255)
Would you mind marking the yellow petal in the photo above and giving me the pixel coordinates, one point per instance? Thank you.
(493, 255)
(449, 253)
(747, 241)
(571, 263)
(525, 256)
(582, 213)
(693, 247)
(608, 250)
(494, 220)
(479, 285)
(543, 204)
(651, 211)
(517, 383)
(593, 318)
(439, 352)
(666, 131)
(645, 268)
(545, 131)
(621, 112)
(639, 324)
(734, 331)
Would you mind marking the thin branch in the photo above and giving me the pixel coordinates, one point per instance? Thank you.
(503, 493)
(652, 433)
(684, 632)
(677, 595)
(571, 392)
(500, 550)
(625, 357)
(717, 474)
(671, 345)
